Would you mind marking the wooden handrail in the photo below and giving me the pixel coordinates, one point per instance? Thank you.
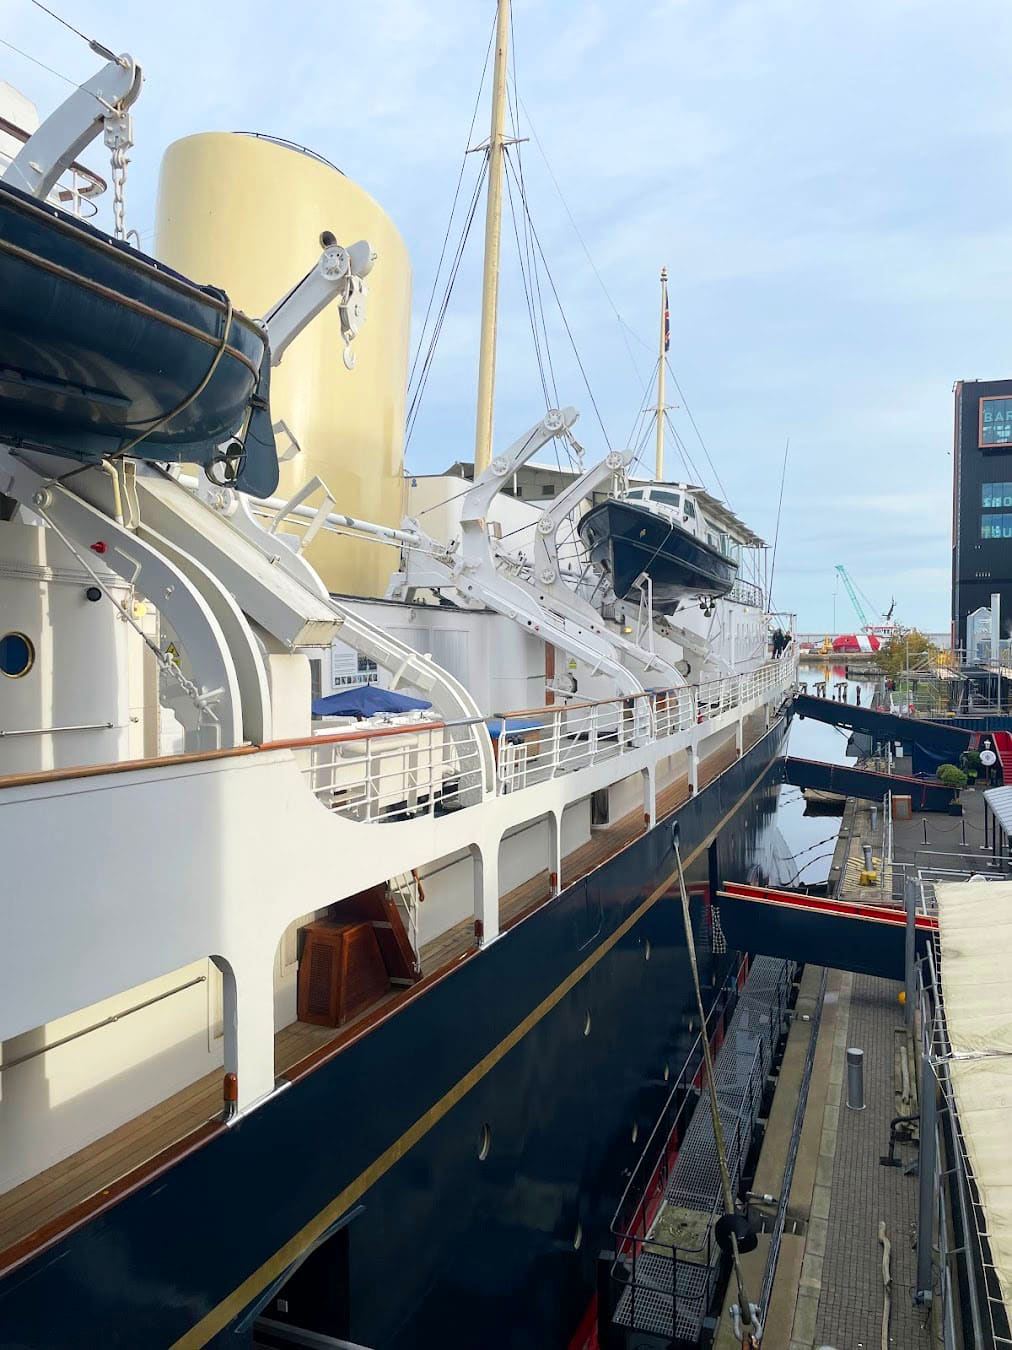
(557, 708)
(374, 733)
(308, 742)
(122, 766)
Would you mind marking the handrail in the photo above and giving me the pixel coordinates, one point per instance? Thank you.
(371, 734)
(763, 677)
(123, 766)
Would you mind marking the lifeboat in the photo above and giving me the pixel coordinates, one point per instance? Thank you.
(654, 531)
(105, 351)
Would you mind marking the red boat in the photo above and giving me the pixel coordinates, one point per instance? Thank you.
(856, 642)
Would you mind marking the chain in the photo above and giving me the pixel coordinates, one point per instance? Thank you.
(119, 173)
(119, 138)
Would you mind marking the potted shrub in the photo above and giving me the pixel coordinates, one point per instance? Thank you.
(953, 778)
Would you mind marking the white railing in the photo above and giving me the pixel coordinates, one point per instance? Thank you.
(575, 735)
(417, 768)
(394, 773)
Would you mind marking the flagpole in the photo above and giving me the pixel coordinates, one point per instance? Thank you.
(661, 362)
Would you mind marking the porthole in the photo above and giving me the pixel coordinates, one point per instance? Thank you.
(578, 1237)
(646, 950)
(17, 655)
(485, 1142)
(586, 1024)
(635, 1131)
(667, 1072)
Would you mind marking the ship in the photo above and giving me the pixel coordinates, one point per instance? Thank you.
(335, 1021)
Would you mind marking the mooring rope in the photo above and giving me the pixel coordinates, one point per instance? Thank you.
(749, 1336)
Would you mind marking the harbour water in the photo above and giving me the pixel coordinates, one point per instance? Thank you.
(811, 839)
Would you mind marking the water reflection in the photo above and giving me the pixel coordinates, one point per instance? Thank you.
(811, 839)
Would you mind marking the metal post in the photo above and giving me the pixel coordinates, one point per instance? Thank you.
(909, 965)
(855, 1079)
(926, 1181)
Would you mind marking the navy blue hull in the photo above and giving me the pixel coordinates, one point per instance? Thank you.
(555, 1038)
(102, 347)
(626, 539)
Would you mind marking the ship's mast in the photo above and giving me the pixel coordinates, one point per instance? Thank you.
(493, 235)
(661, 362)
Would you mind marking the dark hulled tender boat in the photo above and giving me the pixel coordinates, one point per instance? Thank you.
(627, 538)
(102, 348)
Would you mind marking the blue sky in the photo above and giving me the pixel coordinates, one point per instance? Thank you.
(828, 186)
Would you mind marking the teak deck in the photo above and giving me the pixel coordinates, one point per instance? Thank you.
(97, 1173)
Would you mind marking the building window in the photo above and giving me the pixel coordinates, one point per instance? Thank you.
(994, 526)
(995, 496)
(995, 421)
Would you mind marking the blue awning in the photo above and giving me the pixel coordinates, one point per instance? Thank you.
(366, 700)
(512, 726)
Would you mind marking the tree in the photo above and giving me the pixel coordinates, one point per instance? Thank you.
(908, 647)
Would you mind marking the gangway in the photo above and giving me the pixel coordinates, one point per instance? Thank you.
(850, 781)
(867, 939)
(936, 738)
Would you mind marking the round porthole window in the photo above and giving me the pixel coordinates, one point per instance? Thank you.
(646, 950)
(578, 1237)
(635, 1131)
(586, 1025)
(485, 1142)
(17, 655)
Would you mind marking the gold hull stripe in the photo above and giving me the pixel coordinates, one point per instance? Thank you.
(224, 1312)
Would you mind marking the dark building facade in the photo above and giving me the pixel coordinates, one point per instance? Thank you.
(982, 502)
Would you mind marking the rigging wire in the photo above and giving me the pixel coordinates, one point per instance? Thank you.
(533, 268)
(59, 19)
(699, 436)
(437, 329)
(558, 300)
(528, 296)
(776, 536)
(623, 326)
(683, 449)
(453, 210)
(41, 64)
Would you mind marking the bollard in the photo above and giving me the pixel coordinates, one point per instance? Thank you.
(855, 1079)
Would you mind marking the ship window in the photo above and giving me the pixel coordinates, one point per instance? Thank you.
(635, 496)
(993, 526)
(17, 655)
(690, 510)
(668, 498)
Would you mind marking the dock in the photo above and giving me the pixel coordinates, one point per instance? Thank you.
(832, 1174)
